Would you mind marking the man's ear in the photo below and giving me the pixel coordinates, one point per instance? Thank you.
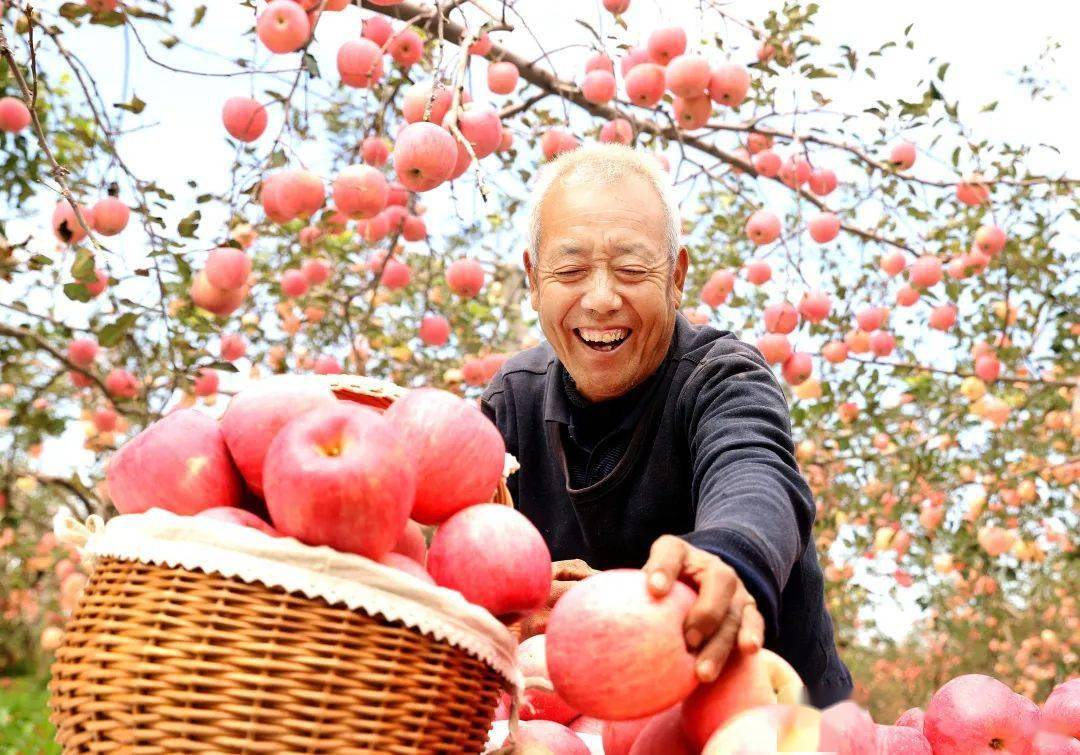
(530, 272)
(678, 275)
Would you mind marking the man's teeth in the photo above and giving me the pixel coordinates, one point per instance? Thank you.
(603, 336)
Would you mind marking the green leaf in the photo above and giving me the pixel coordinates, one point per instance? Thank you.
(189, 224)
(111, 334)
(223, 366)
(989, 107)
(941, 71)
(135, 106)
(71, 11)
(278, 159)
(199, 13)
(170, 42)
(309, 64)
(77, 292)
(83, 267)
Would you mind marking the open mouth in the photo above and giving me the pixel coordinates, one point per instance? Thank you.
(606, 339)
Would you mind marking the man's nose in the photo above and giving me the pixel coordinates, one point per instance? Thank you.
(601, 296)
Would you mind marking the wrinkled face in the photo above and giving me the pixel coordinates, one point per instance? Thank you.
(603, 285)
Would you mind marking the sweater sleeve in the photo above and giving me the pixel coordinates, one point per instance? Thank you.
(753, 508)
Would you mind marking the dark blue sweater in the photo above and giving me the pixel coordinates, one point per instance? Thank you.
(704, 452)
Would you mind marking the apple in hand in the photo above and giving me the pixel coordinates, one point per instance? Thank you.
(615, 651)
(256, 414)
(179, 463)
(974, 714)
(340, 476)
(239, 516)
(746, 681)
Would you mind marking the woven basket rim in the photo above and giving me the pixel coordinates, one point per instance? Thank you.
(162, 538)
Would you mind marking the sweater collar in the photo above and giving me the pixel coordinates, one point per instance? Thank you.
(557, 407)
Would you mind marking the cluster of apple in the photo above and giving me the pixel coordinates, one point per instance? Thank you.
(289, 458)
(618, 666)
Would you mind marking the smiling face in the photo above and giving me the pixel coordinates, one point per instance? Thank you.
(603, 283)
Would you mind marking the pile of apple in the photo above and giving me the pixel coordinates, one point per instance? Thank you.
(617, 662)
(291, 459)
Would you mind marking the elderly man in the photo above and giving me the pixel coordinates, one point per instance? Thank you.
(645, 441)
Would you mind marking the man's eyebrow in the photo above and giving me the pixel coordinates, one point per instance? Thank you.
(633, 246)
(568, 247)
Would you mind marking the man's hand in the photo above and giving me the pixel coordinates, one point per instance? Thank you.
(564, 575)
(723, 612)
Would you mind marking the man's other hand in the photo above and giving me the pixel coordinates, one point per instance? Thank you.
(724, 611)
(564, 575)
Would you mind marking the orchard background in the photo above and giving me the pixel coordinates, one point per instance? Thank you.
(940, 437)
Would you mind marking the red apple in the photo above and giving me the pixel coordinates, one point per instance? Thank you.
(341, 476)
(746, 681)
(244, 118)
(775, 347)
(780, 318)
(539, 703)
(912, 718)
(645, 84)
(82, 351)
(666, 44)
(407, 565)
(975, 713)
(412, 544)
(458, 451)
(616, 652)
(179, 463)
(14, 115)
(502, 77)
(824, 227)
(763, 227)
(256, 414)
(1061, 711)
(227, 267)
(664, 735)
(283, 26)
(900, 740)
(493, 556)
(360, 63)
(618, 736)
(728, 84)
(847, 729)
(360, 191)
(688, 76)
(547, 738)
(424, 156)
(110, 216)
(241, 517)
(587, 725)
(768, 728)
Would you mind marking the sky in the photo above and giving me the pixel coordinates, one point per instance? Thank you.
(987, 44)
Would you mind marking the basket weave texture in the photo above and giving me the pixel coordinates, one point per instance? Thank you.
(159, 659)
(162, 659)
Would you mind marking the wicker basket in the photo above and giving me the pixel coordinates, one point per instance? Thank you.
(161, 659)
